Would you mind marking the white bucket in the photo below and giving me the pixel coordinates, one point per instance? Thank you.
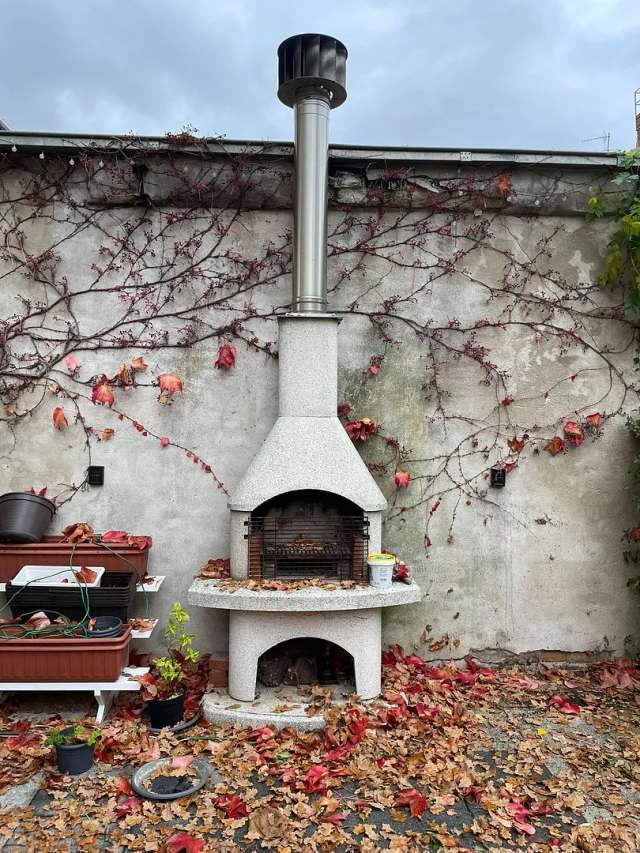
(381, 568)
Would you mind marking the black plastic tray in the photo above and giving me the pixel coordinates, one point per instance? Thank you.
(114, 597)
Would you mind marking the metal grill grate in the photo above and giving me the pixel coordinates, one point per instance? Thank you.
(294, 548)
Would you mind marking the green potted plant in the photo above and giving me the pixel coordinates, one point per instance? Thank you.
(74, 748)
(163, 687)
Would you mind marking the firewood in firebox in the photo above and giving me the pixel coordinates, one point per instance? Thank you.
(273, 668)
(304, 670)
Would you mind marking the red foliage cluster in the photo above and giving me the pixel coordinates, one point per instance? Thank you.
(361, 430)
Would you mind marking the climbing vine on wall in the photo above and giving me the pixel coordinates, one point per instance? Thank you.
(622, 270)
(153, 239)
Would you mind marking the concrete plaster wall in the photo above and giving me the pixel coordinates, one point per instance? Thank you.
(539, 568)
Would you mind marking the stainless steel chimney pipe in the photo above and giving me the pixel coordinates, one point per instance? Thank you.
(311, 71)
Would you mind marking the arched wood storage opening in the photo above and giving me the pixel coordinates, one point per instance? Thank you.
(305, 661)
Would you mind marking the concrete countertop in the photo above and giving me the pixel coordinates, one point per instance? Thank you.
(207, 593)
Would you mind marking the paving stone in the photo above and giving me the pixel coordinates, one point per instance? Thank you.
(557, 766)
(592, 813)
(19, 796)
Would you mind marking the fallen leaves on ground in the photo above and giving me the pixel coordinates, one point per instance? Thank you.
(452, 756)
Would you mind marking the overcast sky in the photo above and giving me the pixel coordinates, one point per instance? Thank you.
(469, 73)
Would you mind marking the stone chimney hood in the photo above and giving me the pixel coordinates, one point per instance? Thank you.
(308, 447)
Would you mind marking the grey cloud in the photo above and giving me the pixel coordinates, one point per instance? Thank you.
(501, 73)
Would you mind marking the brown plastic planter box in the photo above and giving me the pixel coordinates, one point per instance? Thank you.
(52, 551)
(65, 659)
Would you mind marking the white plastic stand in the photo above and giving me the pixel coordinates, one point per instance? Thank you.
(104, 691)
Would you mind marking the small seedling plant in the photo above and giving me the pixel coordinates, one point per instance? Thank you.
(168, 673)
(72, 736)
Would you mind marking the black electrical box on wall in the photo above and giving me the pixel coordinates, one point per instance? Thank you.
(498, 478)
(95, 475)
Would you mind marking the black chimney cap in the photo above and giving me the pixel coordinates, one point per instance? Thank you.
(312, 59)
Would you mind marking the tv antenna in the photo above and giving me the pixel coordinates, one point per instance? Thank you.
(605, 138)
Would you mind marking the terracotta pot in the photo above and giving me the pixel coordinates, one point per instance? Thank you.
(66, 659)
(52, 551)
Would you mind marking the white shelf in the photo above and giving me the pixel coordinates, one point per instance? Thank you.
(104, 691)
(154, 586)
(144, 635)
(157, 582)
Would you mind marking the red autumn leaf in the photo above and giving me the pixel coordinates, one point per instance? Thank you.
(554, 446)
(77, 532)
(517, 810)
(506, 402)
(59, 419)
(338, 754)
(86, 575)
(38, 620)
(402, 479)
(71, 363)
(316, 778)
(123, 787)
(123, 376)
(127, 806)
(102, 393)
(138, 363)
(416, 801)
(336, 818)
(182, 842)
(140, 542)
(19, 741)
(574, 433)
(343, 409)
(373, 369)
(504, 183)
(164, 441)
(361, 429)
(519, 813)
(115, 536)
(562, 704)
(233, 806)
(170, 384)
(226, 357)
(594, 420)
(517, 444)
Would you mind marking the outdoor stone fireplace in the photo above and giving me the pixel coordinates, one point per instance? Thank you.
(307, 507)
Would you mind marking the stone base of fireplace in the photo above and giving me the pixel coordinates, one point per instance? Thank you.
(261, 619)
(268, 709)
(358, 632)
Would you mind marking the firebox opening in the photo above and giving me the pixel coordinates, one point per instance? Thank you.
(305, 661)
(308, 534)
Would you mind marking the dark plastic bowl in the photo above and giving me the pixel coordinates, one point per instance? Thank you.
(106, 626)
(24, 517)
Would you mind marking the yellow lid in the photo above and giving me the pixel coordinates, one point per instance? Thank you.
(382, 558)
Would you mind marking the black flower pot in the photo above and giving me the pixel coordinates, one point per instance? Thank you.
(166, 712)
(24, 517)
(105, 626)
(74, 758)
